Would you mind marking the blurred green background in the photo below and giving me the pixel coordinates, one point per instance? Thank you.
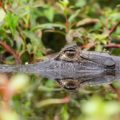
(36, 29)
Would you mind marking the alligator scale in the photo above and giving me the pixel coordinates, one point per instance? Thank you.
(73, 67)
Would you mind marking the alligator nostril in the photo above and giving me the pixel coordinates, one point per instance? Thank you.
(109, 63)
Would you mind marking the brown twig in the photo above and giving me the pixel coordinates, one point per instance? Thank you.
(88, 46)
(112, 46)
(114, 28)
(2, 6)
(115, 91)
(11, 51)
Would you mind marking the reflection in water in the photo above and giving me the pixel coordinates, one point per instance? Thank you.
(77, 80)
(71, 80)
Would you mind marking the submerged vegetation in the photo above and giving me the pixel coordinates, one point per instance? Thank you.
(31, 30)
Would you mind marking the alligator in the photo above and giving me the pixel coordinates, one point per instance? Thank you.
(73, 68)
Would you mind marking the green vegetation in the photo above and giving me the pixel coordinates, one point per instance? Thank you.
(32, 29)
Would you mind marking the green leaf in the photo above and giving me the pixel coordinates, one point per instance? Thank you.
(49, 26)
(80, 3)
(50, 14)
(36, 43)
(11, 22)
(73, 16)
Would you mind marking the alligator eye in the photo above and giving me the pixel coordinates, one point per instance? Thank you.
(69, 55)
(69, 84)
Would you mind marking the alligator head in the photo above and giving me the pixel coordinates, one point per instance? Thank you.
(73, 67)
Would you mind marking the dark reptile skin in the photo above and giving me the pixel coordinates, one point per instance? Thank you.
(73, 68)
